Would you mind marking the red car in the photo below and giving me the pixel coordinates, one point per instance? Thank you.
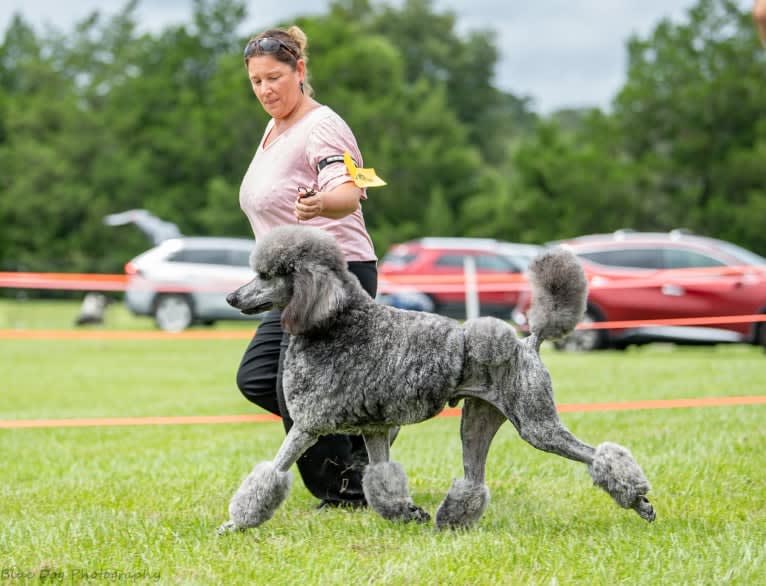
(433, 271)
(658, 276)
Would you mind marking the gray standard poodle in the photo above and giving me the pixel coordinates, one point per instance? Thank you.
(355, 366)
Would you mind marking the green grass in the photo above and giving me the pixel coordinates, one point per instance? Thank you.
(145, 501)
(61, 314)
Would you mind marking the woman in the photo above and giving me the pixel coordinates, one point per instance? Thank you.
(298, 175)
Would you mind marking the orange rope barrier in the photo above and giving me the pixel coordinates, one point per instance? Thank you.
(434, 283)
(677, 321)
(64, 281)
(124, 335)
(452, 412)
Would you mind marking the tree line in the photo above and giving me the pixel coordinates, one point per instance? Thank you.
(104, 118)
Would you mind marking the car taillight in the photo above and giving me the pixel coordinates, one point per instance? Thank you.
(131, 269)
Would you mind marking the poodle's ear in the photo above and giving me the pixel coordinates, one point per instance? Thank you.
(318, 294)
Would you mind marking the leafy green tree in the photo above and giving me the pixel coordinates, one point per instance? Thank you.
(692, 111)
(683, 148)
(559, 183)
(43, 205)
(433, 50)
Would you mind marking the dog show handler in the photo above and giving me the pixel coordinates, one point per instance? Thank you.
(298, 175)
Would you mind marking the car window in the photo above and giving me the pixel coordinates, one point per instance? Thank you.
(678, 258)
(484, 262)
(399, 259)
(521, 262)
(745, 256)
(450, 260)
(637, 258)
(202, 256)
(239, 258)
(492, 262)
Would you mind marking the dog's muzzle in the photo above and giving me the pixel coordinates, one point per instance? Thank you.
(239, 301)
(233, 299)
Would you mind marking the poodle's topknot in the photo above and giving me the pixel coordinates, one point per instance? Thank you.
(283, 249)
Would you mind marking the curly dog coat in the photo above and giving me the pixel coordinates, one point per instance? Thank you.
(355, 366)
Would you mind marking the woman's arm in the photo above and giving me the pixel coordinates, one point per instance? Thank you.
(338, 203)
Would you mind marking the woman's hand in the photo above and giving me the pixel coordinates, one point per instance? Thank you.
(309, 204)
(338, 203)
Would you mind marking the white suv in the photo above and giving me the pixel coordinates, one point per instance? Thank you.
(185, 280)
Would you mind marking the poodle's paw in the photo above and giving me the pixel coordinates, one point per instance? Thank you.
(228, 527)
(259, 496)
(614, 469)
(644, 508)
(385, 488)
(463, 506)
(412, 512)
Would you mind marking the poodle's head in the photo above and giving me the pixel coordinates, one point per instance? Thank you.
(300, 270)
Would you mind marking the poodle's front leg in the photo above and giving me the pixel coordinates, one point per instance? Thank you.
(385, 483)
(468, 497)
(267, 486)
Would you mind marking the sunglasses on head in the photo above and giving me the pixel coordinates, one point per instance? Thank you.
(267, 46)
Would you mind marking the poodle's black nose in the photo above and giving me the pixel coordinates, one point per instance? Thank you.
(232, 299)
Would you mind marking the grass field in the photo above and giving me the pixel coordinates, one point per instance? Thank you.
(141, 504)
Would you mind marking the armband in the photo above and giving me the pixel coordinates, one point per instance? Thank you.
(329, 161)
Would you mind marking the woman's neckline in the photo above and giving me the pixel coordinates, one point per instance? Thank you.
(268, 141)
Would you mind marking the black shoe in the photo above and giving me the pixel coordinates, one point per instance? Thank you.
(332, 504)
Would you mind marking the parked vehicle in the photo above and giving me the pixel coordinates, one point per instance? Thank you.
(651, 276)
(185, 280)
(436, 258)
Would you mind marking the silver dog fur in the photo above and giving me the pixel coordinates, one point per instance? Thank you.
(355, 366)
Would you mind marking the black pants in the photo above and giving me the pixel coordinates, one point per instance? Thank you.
(332, 468)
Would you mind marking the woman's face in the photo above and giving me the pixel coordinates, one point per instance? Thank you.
(275, 84)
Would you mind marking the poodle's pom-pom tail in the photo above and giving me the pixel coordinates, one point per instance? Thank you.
(463, 506)
(259, 496)
(614, 469)
(386, 491)
(559, 294)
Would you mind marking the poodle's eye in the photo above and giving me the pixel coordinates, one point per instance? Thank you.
(263, 276)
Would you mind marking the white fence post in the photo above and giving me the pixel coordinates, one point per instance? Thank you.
(471, 288)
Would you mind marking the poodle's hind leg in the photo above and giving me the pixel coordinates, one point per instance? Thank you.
(468, 497)
(611, 466)
(385, 483)
(267, 486)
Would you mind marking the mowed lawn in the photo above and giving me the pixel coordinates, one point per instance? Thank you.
(140, 504)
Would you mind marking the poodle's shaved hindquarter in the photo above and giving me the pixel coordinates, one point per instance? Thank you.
(354, 366)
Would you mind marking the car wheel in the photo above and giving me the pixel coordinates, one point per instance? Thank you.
(583, 340)
(173, 313)
(761, 339)
(433, 305)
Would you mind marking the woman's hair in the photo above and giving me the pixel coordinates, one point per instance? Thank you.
(293, 44)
